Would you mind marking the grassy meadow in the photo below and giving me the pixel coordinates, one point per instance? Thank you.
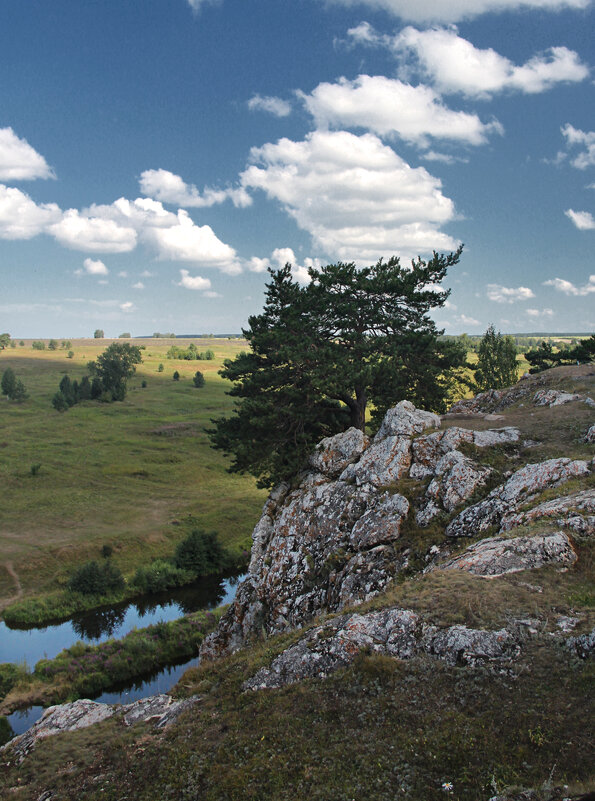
(123, 474)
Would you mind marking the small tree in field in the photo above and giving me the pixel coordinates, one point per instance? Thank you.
(114, 366)
(176, 376)
(9, 382)
(4, 341)
(99, 333)
(199, 379)
(496, 364)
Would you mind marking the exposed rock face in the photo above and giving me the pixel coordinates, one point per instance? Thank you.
(329, 542)
(498, 555)
(83, 713)
(553, 397)
(520, 487)
(575, 511)
(394, 632)
(583, 646)
(590, 435)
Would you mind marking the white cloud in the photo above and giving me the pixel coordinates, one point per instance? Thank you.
(534, 313)
(431, 155)
(79, 232)
(390, 107)
(272, 105)
(193, 282)
(503, 294)
(122, 274)
(568, 288)
(582, 219)
(146, 274)
(21, 217)
(187, 241)
(211, 294)
(170, 188)
(196, 5)
(128, 306)
(455, 10)
(283, 256)
(586, 139)
(354, 195)
(138, 285)
(453, 64)
(93, 267)
(256, 265)
(19, 161)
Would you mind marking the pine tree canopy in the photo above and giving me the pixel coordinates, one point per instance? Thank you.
(324, 352)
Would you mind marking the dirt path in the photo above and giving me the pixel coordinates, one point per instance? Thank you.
(4, 602)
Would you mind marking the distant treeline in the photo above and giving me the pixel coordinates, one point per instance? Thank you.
(523, 342)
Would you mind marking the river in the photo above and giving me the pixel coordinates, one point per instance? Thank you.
(30, 645)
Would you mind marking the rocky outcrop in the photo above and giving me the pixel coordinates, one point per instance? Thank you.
(498, 555)
(553, 397)
(456, 477)
(575, 511)
(590, 435)
(523, 485)
(330, 541)
(583, 646)
(162, 709)
(399, 633)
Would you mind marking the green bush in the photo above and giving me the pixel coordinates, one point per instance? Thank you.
(159, 575)
(38, 345)
(94, 579)
(60, 403)
(199, 379)
(70, 354)
(176, 376)
(52, 344)
(160, 368)
(201, 553)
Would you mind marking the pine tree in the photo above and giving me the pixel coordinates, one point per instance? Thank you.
(496, 364)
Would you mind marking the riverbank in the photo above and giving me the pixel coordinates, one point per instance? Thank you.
(85, 670)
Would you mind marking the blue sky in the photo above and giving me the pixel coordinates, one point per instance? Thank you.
(157, 155)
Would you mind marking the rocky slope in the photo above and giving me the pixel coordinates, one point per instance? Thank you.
(442, 570)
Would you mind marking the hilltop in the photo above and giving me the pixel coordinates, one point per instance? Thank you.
(418, 622)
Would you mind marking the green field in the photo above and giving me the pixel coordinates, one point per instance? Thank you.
(122, 474)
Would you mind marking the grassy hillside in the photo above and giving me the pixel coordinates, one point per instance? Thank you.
(121, 474)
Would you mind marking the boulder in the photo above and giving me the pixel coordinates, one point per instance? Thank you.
(575, 511)
(405, 420)
(498, 555)
(384, 463)
(399, 633)
(333, 454)
(582, 646)
(590, 435)
(521, 487)
(553, 397)
(456, 477)
(429, 449)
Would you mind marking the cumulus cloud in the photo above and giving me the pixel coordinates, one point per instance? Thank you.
(21, 217)
(19, 161)
(168, 187)
(95, 234)
(195, 282)
(504, 294)
(138, 285)
(187, 241)
(445, 158)
(128, 306)
(453, 64)
(388, 106)
(95, 267)
(196, 5)
(257, 265)
(455, 10)
(584, 139)
(272, 105)
(568, 288)
(535, 313)
(583, 220)
(354, 195)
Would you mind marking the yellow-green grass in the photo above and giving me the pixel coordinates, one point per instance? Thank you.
(119, 474)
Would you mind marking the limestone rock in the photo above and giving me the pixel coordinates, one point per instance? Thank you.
(394, 632)
(429, 449)
(459, 645)
(333, 454)
(384, 463)
(583, 646)
(575, 511)
(590, 435)
(498, 555)
(520, 487)
(553, 397)
(483, 402)
(406, 420)
(456, 479)
(381, 523)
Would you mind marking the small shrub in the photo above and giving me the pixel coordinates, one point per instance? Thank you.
(70, 354)
(60, 403)
(160, 368)
(143, 384)
(199, 379)
(21, 344)
(106, 551)
(176, 376)
(158, 576)
(38, 345)
(35, 468)
(52, 344)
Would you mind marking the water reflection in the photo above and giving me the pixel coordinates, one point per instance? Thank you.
(102, 621)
